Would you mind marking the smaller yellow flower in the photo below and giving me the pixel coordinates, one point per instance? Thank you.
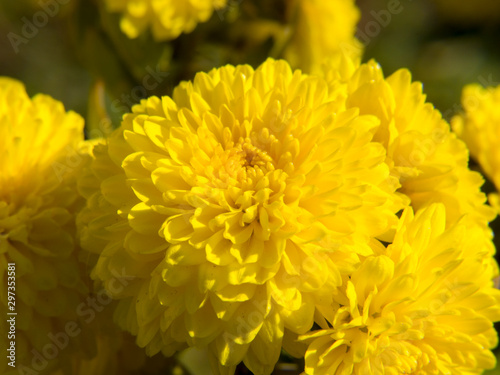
(40, 146)
(424, 305)
(62, 326)
(429, 160)
(166, 18)
(479, 127)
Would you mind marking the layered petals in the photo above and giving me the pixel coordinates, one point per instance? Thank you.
(238, 203)
(166, 19)
(424, 305)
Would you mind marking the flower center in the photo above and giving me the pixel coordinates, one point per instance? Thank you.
(254, 157)
(240, 164)
(253, 164)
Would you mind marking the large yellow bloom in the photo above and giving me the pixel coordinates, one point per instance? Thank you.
(236, 205)
(321, 29)
(479, 127)
(429, 161)
(166, 18)
(39, 144)
(423, 305)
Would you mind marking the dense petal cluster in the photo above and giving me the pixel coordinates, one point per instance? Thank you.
(429, 161)
(39, 144)
(235, 206)
(479, 127)
(424, 305)
(167, 19)
(321, 29)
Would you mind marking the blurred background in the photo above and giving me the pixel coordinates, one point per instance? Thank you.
(70, 51)
(445, 44)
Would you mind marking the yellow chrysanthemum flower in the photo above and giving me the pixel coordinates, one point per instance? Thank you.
(57, 325)
(424, 305)
(479, 127)
(429, 161)
(235, 205)
(167, 19)
(322, 29)
(39, 144)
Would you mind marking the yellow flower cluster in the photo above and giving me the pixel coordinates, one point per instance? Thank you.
(310, 205)
(479, 127)
(167, 19)
(251, 198)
